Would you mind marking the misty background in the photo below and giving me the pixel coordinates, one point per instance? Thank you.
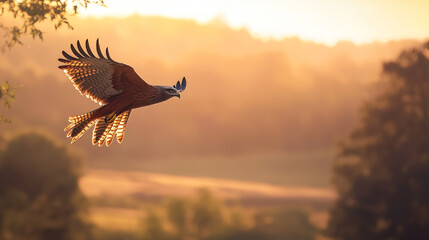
(279, 106)
(273, 138)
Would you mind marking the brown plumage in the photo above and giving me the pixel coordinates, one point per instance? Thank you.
(115, 86)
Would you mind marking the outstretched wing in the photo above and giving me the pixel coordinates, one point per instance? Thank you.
(98, 78)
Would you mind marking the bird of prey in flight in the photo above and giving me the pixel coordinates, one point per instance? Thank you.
(115, 86)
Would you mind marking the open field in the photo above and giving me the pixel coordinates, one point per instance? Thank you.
(98, 182)
(119, 198)
(293, 168)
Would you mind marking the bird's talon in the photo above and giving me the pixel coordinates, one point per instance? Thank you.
(110, 118)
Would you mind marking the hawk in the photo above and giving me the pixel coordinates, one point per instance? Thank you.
(115, 86)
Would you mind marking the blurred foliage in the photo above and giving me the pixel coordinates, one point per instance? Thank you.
(115, 201)
(294, 222)
(178, 215)
(107, 234)
(205, 217)
(32, 12)
(7, 96)
(381, 174)
(39, 191)
(154, 228)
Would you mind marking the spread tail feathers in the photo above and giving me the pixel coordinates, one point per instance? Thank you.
(106, 127)
(79, 124)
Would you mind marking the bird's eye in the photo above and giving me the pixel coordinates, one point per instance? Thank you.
(171, 91)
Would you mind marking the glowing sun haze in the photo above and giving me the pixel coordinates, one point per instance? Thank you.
(325, 21)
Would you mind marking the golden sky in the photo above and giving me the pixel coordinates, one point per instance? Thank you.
(325, 21)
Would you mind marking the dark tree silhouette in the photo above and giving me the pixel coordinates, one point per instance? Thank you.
(32, 12)
(39, 192)
(382, 172)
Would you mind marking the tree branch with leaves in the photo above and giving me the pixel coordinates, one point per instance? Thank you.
(30, 13)
(7, 97)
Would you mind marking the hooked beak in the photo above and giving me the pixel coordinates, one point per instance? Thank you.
(178, 95)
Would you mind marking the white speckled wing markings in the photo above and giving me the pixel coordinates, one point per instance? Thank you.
(105, 132)
(92, 76)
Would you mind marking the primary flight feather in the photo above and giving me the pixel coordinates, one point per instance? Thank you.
(115, 86)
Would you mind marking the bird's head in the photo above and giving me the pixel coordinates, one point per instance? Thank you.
(169, 92)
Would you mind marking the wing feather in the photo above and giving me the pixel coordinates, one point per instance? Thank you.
(75, 52)
(93, 77)
(81, 49)
(88, 49)
(68, 56)
(107, 54)
(100, 54)
(99, 78)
